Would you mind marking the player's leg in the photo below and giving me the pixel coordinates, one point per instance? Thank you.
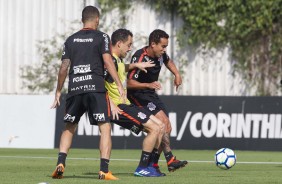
(74, 110)
(99, 114)
(150, 141)
(172, 163)
(155, 154)
(162, 130)
(137, 119)
(105, 141)
(65, 143)
(105, 151)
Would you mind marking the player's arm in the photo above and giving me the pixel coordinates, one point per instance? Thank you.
(133, 75)
(63, 72)
(177, 77)
(109, 64)
(133, 84)
(108, 61)
(142, 66)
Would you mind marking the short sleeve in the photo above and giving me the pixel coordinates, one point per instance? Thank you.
(134, 74)
(107, 75)
(165, 58)
(65, 52)
(105, 46)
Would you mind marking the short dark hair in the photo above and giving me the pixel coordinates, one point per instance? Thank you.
(89, 12)
(120, 35)
(156, 36)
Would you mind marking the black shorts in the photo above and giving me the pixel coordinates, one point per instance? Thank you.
(132, 117)
(150, 101)
(95, 104)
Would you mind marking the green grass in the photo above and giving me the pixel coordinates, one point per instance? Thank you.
(32, 166)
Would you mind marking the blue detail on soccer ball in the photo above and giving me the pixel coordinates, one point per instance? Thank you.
(225, 158)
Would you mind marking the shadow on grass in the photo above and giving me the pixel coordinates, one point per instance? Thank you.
(114, 173)
(92, 175)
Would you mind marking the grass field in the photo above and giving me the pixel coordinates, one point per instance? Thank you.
(32, 166)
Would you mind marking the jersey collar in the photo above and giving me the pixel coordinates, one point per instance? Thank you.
(145, 51)
(87, 28)
(118, 58)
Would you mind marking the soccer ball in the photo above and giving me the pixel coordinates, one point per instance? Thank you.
(225, 158)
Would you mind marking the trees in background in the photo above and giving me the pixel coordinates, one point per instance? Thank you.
(251, 29)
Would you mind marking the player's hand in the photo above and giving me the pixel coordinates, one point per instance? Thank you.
(177, 81)
(155, 85)
(122, 94)
(115, 110)
(56, 102)
(142, 66)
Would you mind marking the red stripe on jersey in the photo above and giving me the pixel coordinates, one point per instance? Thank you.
(131, 118)
(135, 101)
(140, 60)
(108, 103)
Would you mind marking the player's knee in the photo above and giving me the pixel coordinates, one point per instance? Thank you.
(168, 129)
(105, 128)
(155, 129)
(162, 128)
(71, 127)
(168, 126)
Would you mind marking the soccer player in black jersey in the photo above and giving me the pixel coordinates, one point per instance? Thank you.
(85, 53)
(130, 116)
(142, 90)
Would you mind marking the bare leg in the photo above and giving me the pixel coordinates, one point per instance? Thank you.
(66, 137)
(152, 137)
(165, 145)
(65, 144)
(105, 140)
(162, 130)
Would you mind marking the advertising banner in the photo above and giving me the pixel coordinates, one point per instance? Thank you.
(201, 122)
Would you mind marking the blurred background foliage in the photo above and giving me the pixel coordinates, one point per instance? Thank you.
(251, 29)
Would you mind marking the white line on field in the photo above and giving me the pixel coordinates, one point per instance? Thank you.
(133, 160)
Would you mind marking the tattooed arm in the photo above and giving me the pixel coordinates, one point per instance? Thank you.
(63, 72)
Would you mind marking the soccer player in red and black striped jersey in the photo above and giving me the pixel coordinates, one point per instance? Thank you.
(142, 90)
(85, 53)
(128, 115)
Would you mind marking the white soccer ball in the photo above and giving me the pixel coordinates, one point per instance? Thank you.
(225, 158)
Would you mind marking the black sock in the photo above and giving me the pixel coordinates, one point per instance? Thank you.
(155, 156)
(104, 165)
(62, 158)
(168, 156)
(144, 160)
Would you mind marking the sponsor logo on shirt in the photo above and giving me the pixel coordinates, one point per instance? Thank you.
(151, 106)
(147, 58)
(69, 118)
(82, 78)
(81, 69)
(141, 115)
(83, 40)
(106, 42)
(135, 129)
(84, 88)
(99, 116)
(64, 50)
